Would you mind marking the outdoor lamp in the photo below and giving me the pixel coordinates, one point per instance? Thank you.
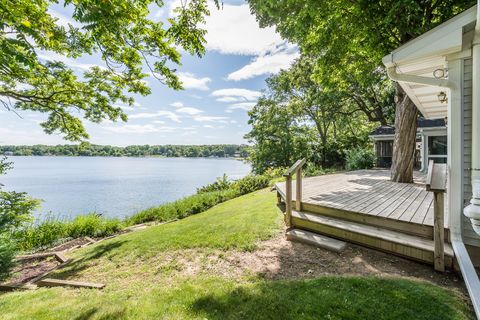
(442, 97)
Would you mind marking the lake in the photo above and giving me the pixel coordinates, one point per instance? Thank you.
(114, 187)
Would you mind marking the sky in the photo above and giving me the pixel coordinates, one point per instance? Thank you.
(220, 87)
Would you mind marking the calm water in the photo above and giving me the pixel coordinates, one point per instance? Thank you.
(115, 187)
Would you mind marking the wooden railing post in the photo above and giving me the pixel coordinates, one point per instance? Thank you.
(298, 189)
(437, 182)
(288, 201)
(438, 232)
(295, 169)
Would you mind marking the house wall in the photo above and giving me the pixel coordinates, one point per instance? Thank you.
(469, 236)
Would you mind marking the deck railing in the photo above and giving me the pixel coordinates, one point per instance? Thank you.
(436, 183)
(296, 170)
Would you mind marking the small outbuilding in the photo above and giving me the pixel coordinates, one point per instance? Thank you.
(431, 143)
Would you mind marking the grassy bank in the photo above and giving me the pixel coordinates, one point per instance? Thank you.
(52, 231)
(149, 275)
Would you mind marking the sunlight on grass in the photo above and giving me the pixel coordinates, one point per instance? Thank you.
(146, 279)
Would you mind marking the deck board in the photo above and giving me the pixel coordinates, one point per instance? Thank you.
(370, 192)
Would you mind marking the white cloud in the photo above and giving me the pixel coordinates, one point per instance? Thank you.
(126, 107)
(234, 30)
(177, 104)
(269, 63)
(160, 12)
(190, 81)
(189, 110)
(211, 119)
(242, 106)
(230, 99)
(63, 20)
(72, 63)
(244, 94)
(159, 114)
(141, 129)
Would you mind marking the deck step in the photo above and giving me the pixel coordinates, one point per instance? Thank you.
(402, 244)
(316, 239)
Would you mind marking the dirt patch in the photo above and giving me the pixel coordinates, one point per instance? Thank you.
(28, 269)
(278, 258)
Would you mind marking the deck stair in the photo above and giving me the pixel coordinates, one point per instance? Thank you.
(399, 243)
(316, 239)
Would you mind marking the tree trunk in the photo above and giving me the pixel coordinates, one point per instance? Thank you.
(405, 137)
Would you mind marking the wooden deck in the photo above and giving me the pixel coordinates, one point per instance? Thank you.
(365, 207)
(370, 193)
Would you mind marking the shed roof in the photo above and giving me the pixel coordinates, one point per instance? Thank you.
(421, 123)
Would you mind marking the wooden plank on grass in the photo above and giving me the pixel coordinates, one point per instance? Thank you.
(48, 282)
(61, 257)
(36, 256)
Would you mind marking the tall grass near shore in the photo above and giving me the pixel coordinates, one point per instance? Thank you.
(52, 231)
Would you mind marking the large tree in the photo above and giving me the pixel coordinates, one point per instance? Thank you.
(297, 118)
(350, 38)
(35, 44)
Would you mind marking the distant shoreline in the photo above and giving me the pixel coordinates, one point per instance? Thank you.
(149, 156)
(161, 151)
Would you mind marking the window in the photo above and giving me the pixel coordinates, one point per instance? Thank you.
(437, 149)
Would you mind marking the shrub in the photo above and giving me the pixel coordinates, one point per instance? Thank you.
(275, 173)
(93, 225)
(183, 207)
(219, 185)
(311, 169)
(7, 255)
(360, 159)
(250, 183)
(45, 233)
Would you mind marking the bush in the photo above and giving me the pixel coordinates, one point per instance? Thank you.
(220, 184)
(311, 170)
(46, 233)
(360, 159)
(7, 256)
(183, 207)
(250, 183)
(93, 225)
(274, 173)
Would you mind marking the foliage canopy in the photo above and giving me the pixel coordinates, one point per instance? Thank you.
(36, 45)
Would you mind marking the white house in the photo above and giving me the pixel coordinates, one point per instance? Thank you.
(440, 72)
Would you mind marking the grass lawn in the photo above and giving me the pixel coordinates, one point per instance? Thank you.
(149, 276)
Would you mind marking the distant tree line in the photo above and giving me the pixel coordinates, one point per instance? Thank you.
(221, 150)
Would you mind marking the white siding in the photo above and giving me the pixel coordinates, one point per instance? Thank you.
(469, 236)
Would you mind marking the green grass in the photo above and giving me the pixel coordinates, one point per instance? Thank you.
(146, 279)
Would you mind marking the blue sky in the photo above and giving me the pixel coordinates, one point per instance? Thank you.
(220, 88)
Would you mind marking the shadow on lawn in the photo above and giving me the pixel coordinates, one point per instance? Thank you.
(107, 249)
(331, 297)
(93, 313)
